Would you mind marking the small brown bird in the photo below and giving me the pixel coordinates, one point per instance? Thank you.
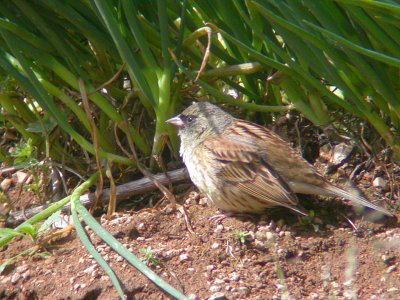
(243, 167)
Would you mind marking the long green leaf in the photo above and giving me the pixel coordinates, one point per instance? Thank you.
(126, 53)
(121, 250)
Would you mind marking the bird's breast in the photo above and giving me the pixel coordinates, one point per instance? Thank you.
(201, 171)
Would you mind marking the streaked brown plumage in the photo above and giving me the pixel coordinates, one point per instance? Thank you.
(244, 167)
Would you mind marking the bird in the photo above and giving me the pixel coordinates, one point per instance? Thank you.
(243, 167)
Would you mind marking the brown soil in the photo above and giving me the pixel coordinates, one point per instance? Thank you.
(276, 261)
(282, 257)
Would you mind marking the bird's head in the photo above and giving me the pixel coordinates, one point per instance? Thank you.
(199, 121)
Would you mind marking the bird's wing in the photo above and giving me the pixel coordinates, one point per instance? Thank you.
(241, 166)
(277, 152)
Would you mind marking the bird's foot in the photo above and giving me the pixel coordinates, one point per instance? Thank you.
(217, 219)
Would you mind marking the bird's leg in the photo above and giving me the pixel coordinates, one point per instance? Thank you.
(218, 218)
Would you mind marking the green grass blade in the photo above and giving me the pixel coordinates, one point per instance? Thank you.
(135, 69)
(357, 48)
(52, 36)
(121, 250)
(25, 34)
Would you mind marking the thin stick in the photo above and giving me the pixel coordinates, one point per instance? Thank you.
(123, 192)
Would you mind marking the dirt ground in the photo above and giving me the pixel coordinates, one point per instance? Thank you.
(294, 261)
(337, 255)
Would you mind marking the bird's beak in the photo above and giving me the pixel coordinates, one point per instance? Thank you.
(176, 121)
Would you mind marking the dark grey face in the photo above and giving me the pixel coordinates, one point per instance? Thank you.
(181, 121)
(200, 118)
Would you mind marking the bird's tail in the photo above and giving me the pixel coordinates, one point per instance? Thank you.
(354, 195)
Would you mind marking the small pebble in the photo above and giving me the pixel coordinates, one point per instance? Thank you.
(270, 235)
(209, 268)
(348, 283)
(349, 295)
(244, 291)
(140, 226)
(6, 184)
(215, 245)
(389, 232)
(218, 296)
(21, 269)
(234, 276)
(170, 253)
(183, 256)
(203, 201)
(261, 236)
(21, 177)
(379, 182)
(219, 228)
(264, 229)
(391, 269)
(193, 297)
(215, 288)
(90, 269)
(26, 275)
(259, 245)
(15, 278)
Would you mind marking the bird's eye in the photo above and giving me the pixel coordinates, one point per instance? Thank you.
(189, 119)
